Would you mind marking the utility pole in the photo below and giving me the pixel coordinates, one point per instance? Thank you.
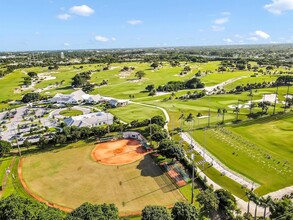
(209, 119)
(151, 131)
(286, 98)
(19, 152)
(274, 111)
(192, 180)
(250, 107)
(204, 148)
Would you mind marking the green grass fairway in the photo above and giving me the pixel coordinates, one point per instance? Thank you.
(135, 112)
(260, 151)
(70, 177)
(71, 112)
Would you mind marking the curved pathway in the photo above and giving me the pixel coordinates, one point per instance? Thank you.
(56, 112)
(157, 107)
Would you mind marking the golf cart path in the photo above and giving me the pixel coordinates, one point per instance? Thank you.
(222, 84)
(157, 107)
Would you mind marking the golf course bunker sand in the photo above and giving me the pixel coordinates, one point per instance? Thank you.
(118, 152)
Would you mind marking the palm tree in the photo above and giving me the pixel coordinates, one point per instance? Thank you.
(190, 118)
(265, 202)
(255, 199)
(181, 118)
(249, 195)
(223, 114)
(219, 112)
(236, 110)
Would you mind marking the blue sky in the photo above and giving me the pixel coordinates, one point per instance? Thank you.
(95, 24)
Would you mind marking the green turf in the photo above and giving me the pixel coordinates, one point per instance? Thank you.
(70, 112)
(135, 112)
(250, 158)
(130, 187)
(8, 84)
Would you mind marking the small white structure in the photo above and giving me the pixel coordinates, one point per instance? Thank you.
(90, 120)
(269, 98)
(134, 135)
(118, 102)
(73, 98)
(94, 99)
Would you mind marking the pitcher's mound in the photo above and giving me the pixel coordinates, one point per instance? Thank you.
(118, 152)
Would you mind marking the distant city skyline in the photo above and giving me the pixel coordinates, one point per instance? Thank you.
(105, 24)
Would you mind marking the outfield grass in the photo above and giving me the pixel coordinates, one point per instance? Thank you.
(131, 187)
(71, 112)
(261, 140)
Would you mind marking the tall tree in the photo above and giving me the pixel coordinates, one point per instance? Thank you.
(208, 201)
(140, 74)
(227, 203)
(171, 149)
(181, 118)
(5, 147)
(265, 203)
(155, 213)
(184, 211)
(89, 211)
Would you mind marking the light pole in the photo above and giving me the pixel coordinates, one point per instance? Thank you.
(192, 180)
(151, 130)
(19, 152)
(274, 111)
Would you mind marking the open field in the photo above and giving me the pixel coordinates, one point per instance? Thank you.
(255, 151)
(130, 187)
(7, 85)
(135, 112)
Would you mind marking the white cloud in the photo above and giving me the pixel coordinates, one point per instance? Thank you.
(101, 38)
(261, 34)
(226, 13)
(37, 33)
(64, 17)
(278, 6)
(238, 36)
(228, 40)
(253, 38)
(82, 10)
(113, 38)
(66, 44)
(134, 22)
(217, 28)
(221, 20)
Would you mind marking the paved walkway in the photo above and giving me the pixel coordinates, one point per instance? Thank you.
(163, 110)
(216, 164)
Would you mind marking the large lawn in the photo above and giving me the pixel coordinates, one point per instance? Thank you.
(135, 112)
(70, 112)
(70, 177)
(261, 151)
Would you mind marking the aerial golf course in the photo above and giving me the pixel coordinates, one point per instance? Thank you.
(258, 149)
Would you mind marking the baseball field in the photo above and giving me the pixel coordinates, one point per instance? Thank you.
(71, 176)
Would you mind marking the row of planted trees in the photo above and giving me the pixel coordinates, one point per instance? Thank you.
(218, 204)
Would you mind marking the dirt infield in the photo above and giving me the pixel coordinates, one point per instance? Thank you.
(118, 152)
